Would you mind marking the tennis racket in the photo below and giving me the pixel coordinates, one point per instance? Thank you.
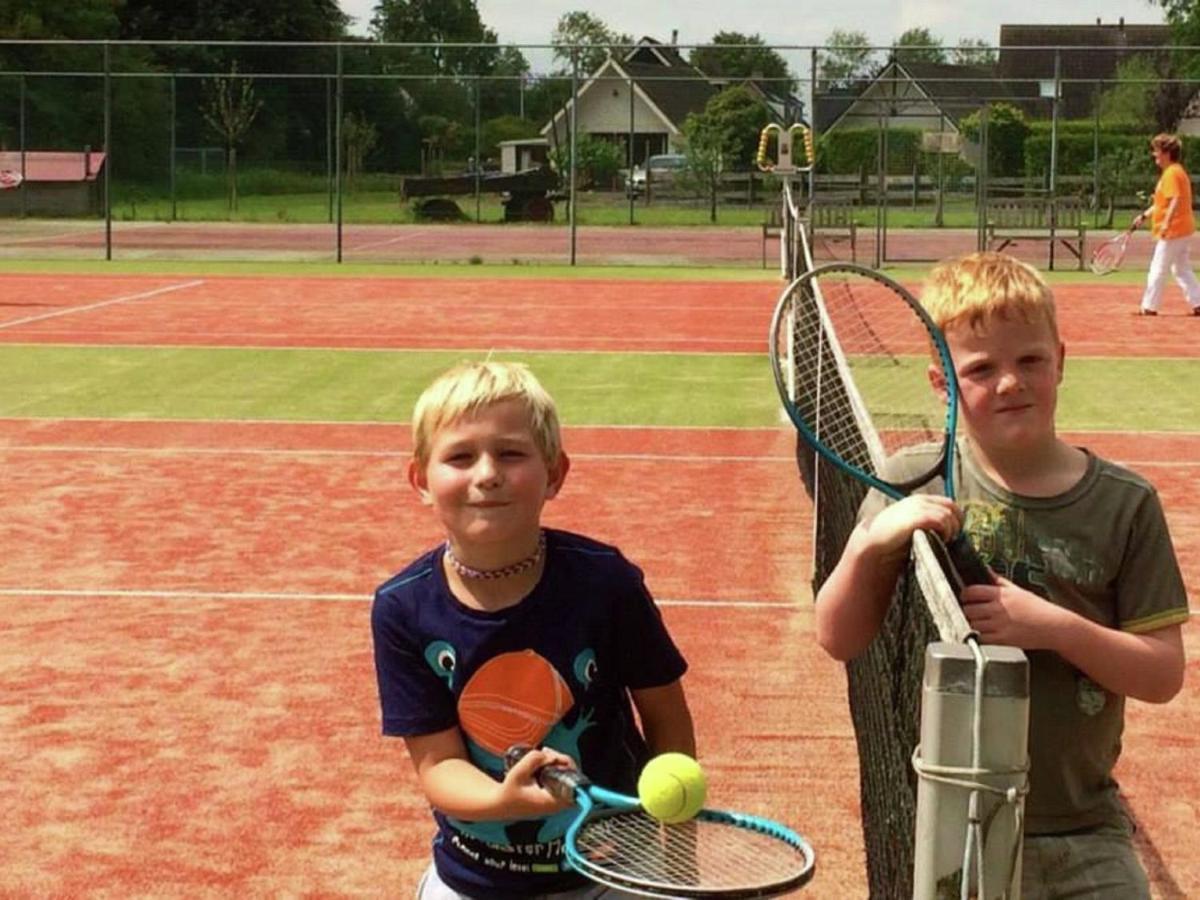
(851, 349)
(1109, 255)
(616, 843)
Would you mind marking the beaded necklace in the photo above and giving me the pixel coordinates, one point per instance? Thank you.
(508, 571)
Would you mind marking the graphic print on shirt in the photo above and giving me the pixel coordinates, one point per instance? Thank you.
(516, 698)
(1035, 562)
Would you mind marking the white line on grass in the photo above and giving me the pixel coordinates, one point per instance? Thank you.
(326, 597)
(75, 309)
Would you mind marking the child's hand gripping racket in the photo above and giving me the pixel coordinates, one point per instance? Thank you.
(615, 842)
(851, 351)
(1109, 255)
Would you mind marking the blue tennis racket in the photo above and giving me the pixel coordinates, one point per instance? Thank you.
(616, 843)
(851, 351)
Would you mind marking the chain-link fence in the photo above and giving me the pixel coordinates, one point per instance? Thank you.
(369, 151)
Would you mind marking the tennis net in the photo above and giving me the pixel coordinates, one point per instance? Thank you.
(884, 682)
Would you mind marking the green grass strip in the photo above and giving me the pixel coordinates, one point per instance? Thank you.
(300, 269)
(332, 385)
(648, 389)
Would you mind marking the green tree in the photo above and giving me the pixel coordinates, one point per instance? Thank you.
(1131, 99)
(845, 58)
(1007, 130)
(230, 111)
(734, 55)
(973, 52)
(919, 45)
(582, 34)
(504, 128)
(231, 20)
(359, 136)
(724, 137)
(437, 23)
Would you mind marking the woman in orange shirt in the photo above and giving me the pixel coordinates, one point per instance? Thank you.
(1171, 225)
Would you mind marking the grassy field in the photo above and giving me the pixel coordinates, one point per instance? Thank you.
(702, 390)
(266, 196)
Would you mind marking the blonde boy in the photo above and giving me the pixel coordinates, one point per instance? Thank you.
(1086, 578)
(514, 633)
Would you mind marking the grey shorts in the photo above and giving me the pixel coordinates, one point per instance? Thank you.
(433, 888)
(1098, 863)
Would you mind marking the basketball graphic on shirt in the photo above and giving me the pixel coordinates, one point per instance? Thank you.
(514, 698)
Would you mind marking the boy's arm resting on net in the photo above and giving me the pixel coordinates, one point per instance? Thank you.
(666, 719)
(854, 599)
(457, 787)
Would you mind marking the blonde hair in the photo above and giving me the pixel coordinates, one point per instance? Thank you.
(472, 386)
(1168, 144)
(977, 286)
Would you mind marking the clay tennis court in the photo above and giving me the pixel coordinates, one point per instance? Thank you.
(190, 706)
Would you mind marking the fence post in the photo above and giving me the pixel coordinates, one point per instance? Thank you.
(107, 151)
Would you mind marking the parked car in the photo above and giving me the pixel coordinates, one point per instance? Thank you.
(664, 168)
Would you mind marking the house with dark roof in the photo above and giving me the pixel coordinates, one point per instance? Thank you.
(1088, 56)
(936, 96)
(649, 93)
(905, 94)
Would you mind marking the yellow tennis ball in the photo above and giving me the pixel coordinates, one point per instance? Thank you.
(672, 787)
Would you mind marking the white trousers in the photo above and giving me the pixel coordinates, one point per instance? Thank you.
(1170, 258)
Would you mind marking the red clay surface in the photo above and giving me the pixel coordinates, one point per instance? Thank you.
(700, 317)
(498, 243)
(190, 706)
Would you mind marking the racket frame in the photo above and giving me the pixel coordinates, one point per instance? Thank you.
(893, 490)
(596, 803)
(965, 566)
(1121, 242)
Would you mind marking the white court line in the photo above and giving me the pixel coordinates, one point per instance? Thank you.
(326, 598)
(371, 245)
(34, 238)
(76, 309)
(383, 454)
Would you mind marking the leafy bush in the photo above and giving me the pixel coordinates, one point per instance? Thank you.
(1007, 132)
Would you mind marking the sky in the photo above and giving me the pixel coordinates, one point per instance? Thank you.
(786, 22)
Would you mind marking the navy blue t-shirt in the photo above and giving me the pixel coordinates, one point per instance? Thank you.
(554, 670)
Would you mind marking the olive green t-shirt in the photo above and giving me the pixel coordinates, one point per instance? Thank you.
(1102, 550)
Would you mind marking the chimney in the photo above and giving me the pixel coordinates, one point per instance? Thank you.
(674, 36)
(1097, 20)
(1121, 23)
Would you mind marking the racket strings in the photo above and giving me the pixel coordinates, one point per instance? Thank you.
(1109, 255)
(634, 848)
(853, 330)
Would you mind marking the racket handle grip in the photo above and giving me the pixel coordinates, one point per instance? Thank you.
(967, 562)
(560, 782)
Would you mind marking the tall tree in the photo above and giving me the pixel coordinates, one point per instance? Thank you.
(734, 55)
(1183, 16)
(234, 20)
(723, 138)
(437, 23)
(919, 45)
(231, 109)
(973, 52)
(582, 34)
(846, 57)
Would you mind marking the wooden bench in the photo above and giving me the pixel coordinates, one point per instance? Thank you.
(834, 222)
(1055, 221)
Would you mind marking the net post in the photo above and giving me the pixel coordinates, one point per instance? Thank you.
(960, 783)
